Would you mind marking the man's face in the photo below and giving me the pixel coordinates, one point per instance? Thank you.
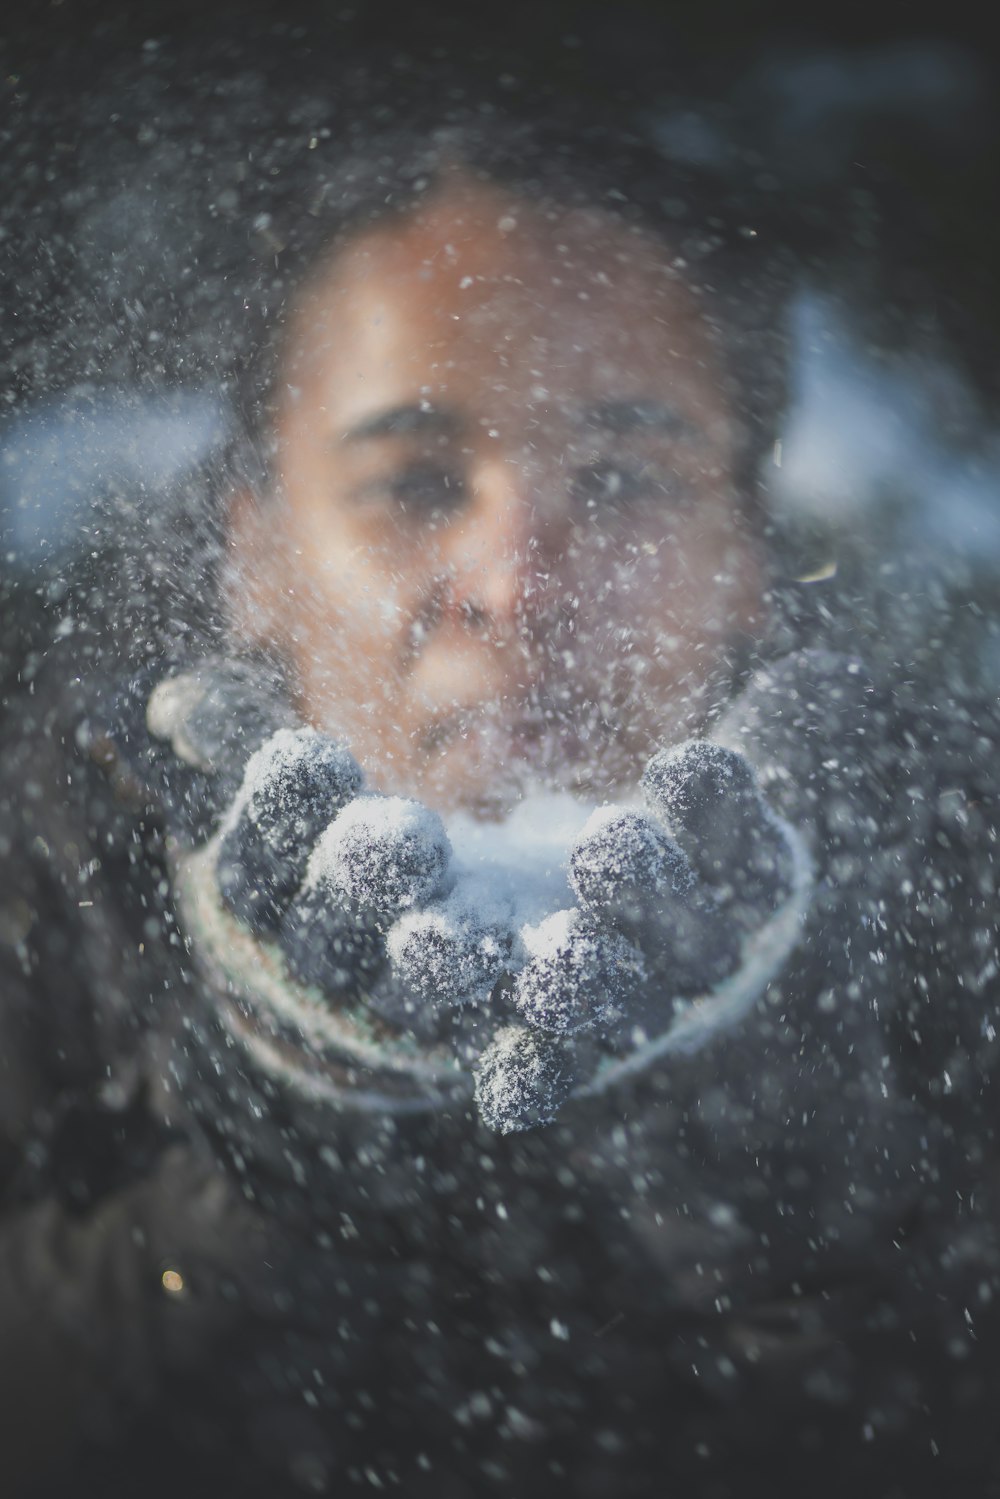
(504, 545)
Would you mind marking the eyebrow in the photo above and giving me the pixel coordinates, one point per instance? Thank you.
(629, 416)
(405, 421)
(616, 417)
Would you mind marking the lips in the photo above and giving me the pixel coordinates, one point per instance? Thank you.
(554, 745)
(551, 742)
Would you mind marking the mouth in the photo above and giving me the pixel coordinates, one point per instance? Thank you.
(540, 744)
(512, 725)
(551, 740)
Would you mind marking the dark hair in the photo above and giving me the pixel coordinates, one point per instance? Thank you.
(738, 271)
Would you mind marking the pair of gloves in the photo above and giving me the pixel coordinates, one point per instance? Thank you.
(686, 904)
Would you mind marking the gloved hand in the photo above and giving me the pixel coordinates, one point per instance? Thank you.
(223, 754)
(760, 864)
(289, 1043)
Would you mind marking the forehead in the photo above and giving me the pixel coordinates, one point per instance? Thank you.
(479, 294)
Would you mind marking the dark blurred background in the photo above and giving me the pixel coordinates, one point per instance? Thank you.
(143, 146)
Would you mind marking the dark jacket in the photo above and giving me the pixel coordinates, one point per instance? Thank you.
(770, 1269)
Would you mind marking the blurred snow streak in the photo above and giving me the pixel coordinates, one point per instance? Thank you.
(865, 433)
(59, 460)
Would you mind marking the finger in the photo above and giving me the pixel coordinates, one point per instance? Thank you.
(217, 714)
(711, 799)
(383, 854)
(624, 867)
(454, 951)
(627, 871)
(295, 783)
(522, 1079)
(380, 857)
(337, 948)
(578, 975)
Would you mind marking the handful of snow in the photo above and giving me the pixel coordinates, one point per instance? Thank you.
(553, 934)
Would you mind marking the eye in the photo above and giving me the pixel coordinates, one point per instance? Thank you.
(608, 487)
(423, 490)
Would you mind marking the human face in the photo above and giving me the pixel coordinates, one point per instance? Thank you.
(505, 545)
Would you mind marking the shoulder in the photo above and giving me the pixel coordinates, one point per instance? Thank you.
(85, 949)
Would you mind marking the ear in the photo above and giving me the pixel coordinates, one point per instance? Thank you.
(253, 573)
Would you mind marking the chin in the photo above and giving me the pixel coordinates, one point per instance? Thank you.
(470, 773)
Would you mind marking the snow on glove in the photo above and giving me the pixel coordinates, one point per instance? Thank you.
(577, 984)
(739, 850)
(522, 1079)
(286, 880)
(455, 950)
(675, 932)
(306, 859)
(293, 786)
(358, 893)
(380, 857)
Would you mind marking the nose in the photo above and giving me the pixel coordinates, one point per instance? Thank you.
(503, 559)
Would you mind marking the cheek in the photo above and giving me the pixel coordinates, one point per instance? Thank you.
(666, 600)
(341, 634)
(356, 631)
(344, 580)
